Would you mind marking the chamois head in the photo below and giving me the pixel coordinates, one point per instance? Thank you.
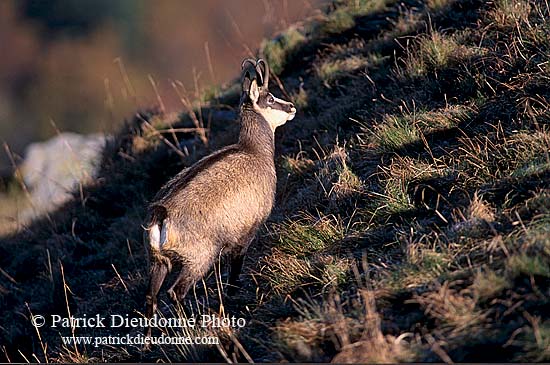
(255, 83)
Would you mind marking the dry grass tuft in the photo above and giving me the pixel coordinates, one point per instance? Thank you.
(336, 178)
(480, 210)
(356, 339)
(432, 53)
(457, 310)
(509, 13)
(438, 5)
(488, 284)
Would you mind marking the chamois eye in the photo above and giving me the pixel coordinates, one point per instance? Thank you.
(270, 99)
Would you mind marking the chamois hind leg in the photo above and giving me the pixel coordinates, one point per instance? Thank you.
(158, 274)
(191, 272)
(181, 286)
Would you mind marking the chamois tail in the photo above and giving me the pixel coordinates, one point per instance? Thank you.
(158, 227)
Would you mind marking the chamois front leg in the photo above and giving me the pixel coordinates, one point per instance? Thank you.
(236, 263)
(237, 259)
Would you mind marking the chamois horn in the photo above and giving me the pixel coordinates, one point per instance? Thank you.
(265, 74)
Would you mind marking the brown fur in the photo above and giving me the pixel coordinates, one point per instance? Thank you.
(215, 206)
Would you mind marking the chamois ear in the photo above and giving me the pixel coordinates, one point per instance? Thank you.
(254, 92)
(246, 85)
(248, 74)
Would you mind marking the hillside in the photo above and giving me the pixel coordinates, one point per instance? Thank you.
(412, 220)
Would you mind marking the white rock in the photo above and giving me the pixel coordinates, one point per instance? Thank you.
(52, 169)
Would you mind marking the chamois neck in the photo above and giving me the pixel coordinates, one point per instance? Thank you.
(256, 134)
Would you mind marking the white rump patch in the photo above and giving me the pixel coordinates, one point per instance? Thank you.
(154, 237)
(158, 235)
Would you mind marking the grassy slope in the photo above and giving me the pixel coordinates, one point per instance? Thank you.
(413, 208)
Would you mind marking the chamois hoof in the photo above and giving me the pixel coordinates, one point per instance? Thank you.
(173, 296)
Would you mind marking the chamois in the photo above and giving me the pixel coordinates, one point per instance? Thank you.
(217, 205)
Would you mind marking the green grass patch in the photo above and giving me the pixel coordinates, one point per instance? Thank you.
(437, 50)
(537, 235)
(296, 165)
(396, 196)
(532, 168)
(276, 51)
(394, 133)
(336, 271)
(303, 255)
(529, 151)
(535, 341)
(332, 70)
(286, 272)
(343, 18)
(523, 264)
(335, 176)
(309, 235)
(421, 269)
(432, 53)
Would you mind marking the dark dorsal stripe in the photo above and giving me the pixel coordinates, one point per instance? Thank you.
(157, 214)
(181, 180)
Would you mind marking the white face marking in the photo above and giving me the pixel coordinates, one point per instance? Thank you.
(275, 117)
